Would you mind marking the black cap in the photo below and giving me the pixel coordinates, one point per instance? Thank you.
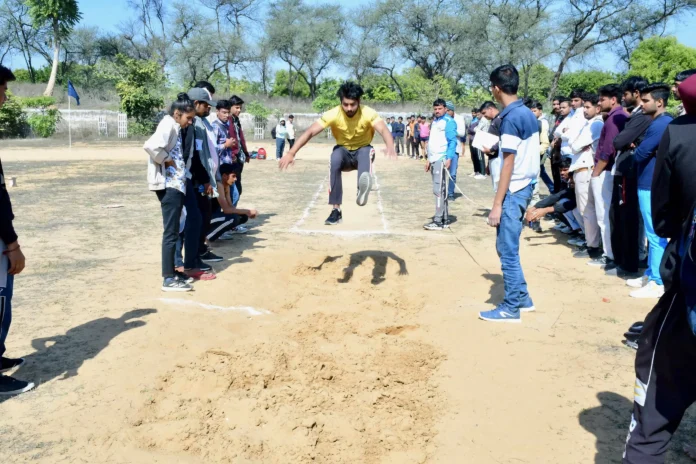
(197, 94)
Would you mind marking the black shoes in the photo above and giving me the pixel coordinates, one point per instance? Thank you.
(336, 217)
(211, 257)
(12, 386)
(7, 364)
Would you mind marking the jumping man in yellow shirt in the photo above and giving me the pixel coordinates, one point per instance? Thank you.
(353, 126)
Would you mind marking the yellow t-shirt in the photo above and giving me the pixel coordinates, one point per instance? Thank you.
(352, 133)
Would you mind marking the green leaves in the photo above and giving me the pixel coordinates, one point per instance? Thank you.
(659, 59)
(62, 15)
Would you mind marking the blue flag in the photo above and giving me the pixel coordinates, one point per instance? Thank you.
(73, 93)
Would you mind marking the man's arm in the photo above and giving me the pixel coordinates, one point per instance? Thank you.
(451, 136)
(228, 208)
(665, 219)
(647, 148)
(381, 127)
(314, 130)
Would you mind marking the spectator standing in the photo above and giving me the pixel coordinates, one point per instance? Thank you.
(461, 136)
(627, 230)
(602, 181)
(221, 123)
(424, 135)
(538, 110)
(390, 126)
(665, 386)
(655, 98)
(399, 130)
(290, 125)
(519, 150)
(473, 152)
(442, 149)
(556, 155)
(482, 126)
(491, 113)
(409, 136)
(281, 132)
(11, 264)
(239, 149)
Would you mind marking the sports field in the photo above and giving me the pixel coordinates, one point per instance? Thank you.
(358, 343)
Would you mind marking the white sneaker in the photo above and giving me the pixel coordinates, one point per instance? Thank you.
(640, 282)
(559, 226)
(473, 174)
(240, 230)
(578, 242)
(479, 177)
(651, 290)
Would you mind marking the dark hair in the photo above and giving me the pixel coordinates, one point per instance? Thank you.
(205, 85)
(440, 102)
(684, 75)
(183, 104)
(537, 104)
(486, 105)
(527, 102)
(350, 90)
(634, 84)
(658, 91)
(558, 98)
(577, 93)
(566, 162)
(223, 105)
(592, 98)
(611, 91)
(226, 168)
(506, 78)
(562, 99)
(235, 101)
(400, 118)
(291, 117)
(6, 75)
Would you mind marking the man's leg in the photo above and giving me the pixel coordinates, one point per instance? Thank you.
(453, 173)
(607, 190)
(222, 223)
(596, 186)
(586, 206)
(205, 207)
(239, 168)
(656, 245)
(408, 147)
(545, 177)
(508, 247)
(665, 380)
(291, 142)
(556, 174)
(474, 158)
(437, 170)
(340, 161)
(5, 311)
(192, 230)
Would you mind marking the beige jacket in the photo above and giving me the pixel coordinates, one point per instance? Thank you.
(158, 147)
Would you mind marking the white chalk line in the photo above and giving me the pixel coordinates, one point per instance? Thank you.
(241, 309)
(311, 204)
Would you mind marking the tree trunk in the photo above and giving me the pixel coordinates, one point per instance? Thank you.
(526, 72)
(557, 75)
(56, 59)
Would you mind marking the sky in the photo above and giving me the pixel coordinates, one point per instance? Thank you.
(108, 14)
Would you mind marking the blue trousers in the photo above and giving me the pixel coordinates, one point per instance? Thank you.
(507, 245)
(280, 147)
(5, 311)
(656, 245)
(545, 178)
(453, 172)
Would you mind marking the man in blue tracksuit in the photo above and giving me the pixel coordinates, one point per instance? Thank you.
(442, 149)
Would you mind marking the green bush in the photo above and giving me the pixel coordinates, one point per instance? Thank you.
(43, 123)
(13, 121)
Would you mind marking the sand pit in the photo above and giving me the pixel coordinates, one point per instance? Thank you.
(357, 343)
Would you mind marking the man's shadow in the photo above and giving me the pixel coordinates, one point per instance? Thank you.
(379, 270)
(63, 355)
(497, 290)
(608, 422)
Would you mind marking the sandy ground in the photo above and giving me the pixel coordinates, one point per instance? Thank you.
(355, 344)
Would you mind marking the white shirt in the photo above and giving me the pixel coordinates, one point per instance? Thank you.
(585, 144)
(574, 123)
(291, 130)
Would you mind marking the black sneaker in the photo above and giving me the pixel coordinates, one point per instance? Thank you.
(364, 187)
(173, 284)
(183, 277)
(602, 262)
(7, 364)
(12, 386)
(211, 257)
(618, 272)
(336, 217)
(536, 226)
(203, 266)
(451, 198)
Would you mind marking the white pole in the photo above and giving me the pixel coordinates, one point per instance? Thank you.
(69, 123)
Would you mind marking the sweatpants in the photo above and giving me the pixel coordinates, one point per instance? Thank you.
(5, 310)
(221, 223)
(172, 202)
(665, 379)
(399, 144)
(344, 160)
(439, 174)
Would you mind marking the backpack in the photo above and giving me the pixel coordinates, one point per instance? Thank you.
(273, 132)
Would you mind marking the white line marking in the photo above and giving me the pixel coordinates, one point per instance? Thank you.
(243, 309)
(362, 233)
(311, 204)
(379, 206)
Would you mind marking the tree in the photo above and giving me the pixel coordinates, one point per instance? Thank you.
(589, 81)
(586, 25)
(288, 84)
(24, 37)
(306, 38)
(61, 16)
(660, 59)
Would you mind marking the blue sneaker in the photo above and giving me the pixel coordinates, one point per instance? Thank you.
(500, 315)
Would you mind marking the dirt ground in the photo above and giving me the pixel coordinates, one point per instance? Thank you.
(353, 344)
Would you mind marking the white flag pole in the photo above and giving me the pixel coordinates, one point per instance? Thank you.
(69, 122)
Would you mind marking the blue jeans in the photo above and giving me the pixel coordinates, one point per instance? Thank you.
(280, 147)
(192, 229)
(545, 178)
(5, 311)
(453, 173)
(507, 245)
(656, 245)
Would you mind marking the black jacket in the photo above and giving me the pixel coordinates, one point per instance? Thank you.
(494, 129)
(199, 175)
(633, 132)
(674, 187)
(7, 232)
(562, 202)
